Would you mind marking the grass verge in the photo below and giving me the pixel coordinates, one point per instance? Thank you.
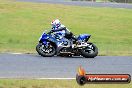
(15, 83)
(22, 23)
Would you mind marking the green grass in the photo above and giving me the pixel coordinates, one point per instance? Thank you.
(101, 0)
(15, 83)
(22, 23)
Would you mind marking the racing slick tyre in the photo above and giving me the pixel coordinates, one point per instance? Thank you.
(90, 51)
(46, 51)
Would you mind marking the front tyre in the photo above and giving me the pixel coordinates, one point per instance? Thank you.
(46, 51)
(90, 51)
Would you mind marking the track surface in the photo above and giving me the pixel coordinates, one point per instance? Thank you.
(35, 66)
(83, 3)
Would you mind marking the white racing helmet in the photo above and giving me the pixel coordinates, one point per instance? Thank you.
(55, 23)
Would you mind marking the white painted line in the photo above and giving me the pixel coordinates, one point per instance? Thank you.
(12, 53)
(37, 78)
(16, 53)
(57, 78)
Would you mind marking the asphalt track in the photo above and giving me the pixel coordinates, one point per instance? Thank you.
(35, 66)
(83, 3)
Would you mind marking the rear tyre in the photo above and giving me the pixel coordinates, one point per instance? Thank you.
(46, 51)
(90, 51)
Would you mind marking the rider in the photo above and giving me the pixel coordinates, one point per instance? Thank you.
(58, 27)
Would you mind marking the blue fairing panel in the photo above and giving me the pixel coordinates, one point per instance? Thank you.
(84, 37)
(47, 38)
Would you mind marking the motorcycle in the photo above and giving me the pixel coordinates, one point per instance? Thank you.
(51, 44)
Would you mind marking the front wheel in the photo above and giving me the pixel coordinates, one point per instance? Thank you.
(90, 51)
(46, 50)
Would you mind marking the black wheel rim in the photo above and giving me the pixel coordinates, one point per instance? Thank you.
(47, 50)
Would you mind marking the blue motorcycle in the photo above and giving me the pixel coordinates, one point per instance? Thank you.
(51, 44)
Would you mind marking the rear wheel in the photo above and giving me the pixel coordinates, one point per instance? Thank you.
(90, 51)
(46, 50)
